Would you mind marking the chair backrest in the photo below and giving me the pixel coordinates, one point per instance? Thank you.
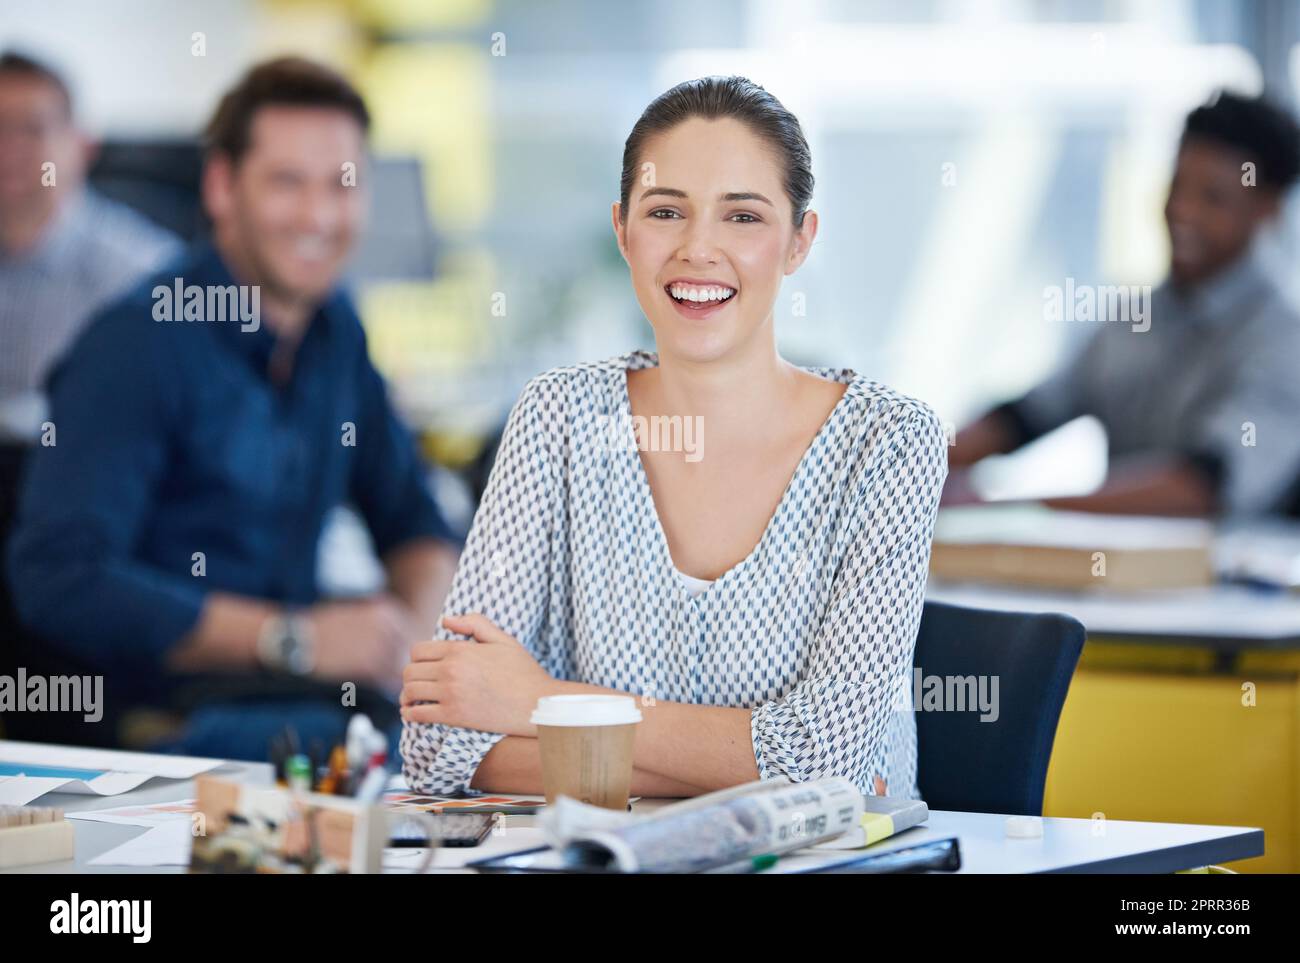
(162, 180)
(159, 179)
(994, 761)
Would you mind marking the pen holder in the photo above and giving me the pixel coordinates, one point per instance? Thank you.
(255, 829)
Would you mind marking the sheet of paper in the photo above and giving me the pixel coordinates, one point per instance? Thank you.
(164, 845)
(1030, 524)
(155, 814)
(105, 760)
(402, 859)
(20, 790)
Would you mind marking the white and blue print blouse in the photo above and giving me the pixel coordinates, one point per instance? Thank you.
(814, 631)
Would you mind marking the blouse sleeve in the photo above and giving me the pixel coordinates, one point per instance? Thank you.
(832, 721)
(504, 573)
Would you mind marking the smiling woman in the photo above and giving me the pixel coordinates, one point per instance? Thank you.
(763, 600)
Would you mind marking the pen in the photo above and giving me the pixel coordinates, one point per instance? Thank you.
(332, 783)
(751, 864)
(298, 772)
(371, 786)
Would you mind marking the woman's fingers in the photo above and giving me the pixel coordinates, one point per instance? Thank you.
(429, 712)
(418, 692)
(430, 650)
(420, 671)
(477, 625)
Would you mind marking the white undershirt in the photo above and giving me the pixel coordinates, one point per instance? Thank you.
(694, 586)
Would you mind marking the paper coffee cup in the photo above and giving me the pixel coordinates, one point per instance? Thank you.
(586, 743)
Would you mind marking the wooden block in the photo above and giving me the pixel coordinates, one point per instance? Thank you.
(36, 843)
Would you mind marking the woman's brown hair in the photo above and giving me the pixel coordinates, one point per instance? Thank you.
(714, 98)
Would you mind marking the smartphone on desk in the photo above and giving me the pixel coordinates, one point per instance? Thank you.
(450, 829)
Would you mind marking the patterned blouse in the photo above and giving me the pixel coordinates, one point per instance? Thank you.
(814, 631)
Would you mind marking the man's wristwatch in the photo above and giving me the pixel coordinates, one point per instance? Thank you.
(287, 644)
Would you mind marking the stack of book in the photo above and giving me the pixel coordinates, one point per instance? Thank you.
(1033, 546)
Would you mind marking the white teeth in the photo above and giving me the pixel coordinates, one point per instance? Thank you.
(698, 295)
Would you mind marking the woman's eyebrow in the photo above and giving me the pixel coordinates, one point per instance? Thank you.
(668, 191)
(733, 196)
(746, 196)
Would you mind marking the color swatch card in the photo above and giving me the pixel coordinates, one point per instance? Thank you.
(400, 800)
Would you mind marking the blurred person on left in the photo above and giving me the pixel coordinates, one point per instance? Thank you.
(172, 535)
(65, 252)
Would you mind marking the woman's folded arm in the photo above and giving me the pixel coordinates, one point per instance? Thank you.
(514, 765)
(504, 573)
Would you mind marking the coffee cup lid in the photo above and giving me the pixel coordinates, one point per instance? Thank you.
(585, 710)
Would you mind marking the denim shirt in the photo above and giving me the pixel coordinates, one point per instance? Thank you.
(180, 467)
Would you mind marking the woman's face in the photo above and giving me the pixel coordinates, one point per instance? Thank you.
(708, 236)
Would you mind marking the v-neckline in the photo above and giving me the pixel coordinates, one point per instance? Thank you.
(647, 493)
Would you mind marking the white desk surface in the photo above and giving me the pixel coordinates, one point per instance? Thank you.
(1067, 845)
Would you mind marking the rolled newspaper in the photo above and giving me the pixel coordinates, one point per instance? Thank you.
(768, 817)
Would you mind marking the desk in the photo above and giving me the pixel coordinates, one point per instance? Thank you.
(1156, 725)
(94, 838)
(1228, 619)
(1067, 845)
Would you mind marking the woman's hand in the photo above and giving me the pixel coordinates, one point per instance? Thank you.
(491, 684)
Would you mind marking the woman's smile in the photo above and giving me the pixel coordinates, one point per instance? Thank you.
(697, 299)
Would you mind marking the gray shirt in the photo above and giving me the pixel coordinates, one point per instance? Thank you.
(1213, 379)
(93, 251)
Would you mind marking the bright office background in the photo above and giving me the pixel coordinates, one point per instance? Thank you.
(1056, 119)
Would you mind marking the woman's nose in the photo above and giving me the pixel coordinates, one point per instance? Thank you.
(699, 244)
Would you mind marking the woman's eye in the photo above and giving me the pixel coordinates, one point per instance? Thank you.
(743, 218)
(663, 214)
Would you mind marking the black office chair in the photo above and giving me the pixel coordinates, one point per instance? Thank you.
(161, 180)
(969, 765)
